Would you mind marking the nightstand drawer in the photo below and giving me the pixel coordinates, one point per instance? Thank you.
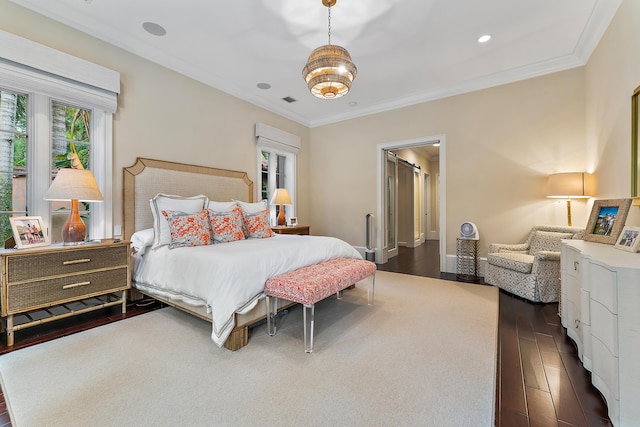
(22, 267)
(48, 292)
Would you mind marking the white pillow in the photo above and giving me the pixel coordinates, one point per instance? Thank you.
(140, 240)
(222, 206)
(252, 208)
(167, 202)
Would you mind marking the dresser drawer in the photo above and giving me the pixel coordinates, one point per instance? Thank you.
(23, 267)
(603, 287)
(44, 293)
(605, 368)
(572, 260)
(604, 326)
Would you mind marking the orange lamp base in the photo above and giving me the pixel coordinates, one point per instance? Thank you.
(282, 220)
(74, 231)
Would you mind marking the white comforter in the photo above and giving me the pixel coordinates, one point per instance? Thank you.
(229, 278)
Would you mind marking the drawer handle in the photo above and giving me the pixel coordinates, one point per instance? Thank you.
(77, 261)
(576, 264)
(76, 285)
(577, 322)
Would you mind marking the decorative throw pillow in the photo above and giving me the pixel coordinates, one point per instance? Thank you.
(226, 226)
(256, 225)
(188, 229)
(167, 202)
(251, 208)
(547, 241)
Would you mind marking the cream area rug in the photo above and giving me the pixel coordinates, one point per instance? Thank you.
(423, 354)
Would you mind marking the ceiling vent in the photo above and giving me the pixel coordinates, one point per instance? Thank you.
(289, 99)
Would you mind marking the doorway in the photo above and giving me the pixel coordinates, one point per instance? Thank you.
(426, 191)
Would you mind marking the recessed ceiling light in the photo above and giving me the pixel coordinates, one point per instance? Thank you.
(264, 86)
(485, 38)
(154, 29)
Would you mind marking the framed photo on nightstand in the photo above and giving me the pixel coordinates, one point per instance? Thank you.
(29, 231)
(293, 221)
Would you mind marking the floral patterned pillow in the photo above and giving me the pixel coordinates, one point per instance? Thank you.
(256, 225)
(226, 226)
(188, 229)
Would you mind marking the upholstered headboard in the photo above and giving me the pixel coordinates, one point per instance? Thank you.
(148, 177)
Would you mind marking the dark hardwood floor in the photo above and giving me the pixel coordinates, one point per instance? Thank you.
(540, 381)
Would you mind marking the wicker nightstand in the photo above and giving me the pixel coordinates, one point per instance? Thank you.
(296, 229)
(60, 276)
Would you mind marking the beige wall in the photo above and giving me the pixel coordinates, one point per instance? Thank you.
(501, 143)
(612, 74)
(164, 115)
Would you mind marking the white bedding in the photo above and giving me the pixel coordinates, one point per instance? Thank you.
(229, 278)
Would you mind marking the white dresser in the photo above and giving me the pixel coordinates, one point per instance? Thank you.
(600, 300)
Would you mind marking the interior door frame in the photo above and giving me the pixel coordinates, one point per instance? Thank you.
(390, 253)
(382, 149)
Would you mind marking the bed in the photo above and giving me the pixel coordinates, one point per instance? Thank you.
(221, 283)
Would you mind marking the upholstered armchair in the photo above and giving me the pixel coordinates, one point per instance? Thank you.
(530, 270)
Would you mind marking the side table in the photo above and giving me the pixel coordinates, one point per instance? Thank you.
(296, 229)
(467, 263)
(39, 279)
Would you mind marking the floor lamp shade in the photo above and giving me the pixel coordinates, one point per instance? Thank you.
(571, 185)
(281, 197)
(74, 185)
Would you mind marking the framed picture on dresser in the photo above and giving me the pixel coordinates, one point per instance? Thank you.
(629, 239)
(29, 231)
(607, 220)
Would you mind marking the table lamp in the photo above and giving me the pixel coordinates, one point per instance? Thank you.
(576, 185)
(74, 185)
(281, 197)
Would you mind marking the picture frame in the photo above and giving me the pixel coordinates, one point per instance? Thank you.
(29, 231)
(293, 221)
(629, 239)
(607, 220)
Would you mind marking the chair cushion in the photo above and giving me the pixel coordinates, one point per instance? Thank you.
(547, 241)
(512, 261)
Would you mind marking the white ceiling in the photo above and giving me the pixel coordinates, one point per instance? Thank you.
(406, 51)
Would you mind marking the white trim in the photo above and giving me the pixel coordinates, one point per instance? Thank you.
(268, 136)
(40, 57)
(27, 64)
(380, 218)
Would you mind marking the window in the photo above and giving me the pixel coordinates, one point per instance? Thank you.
(274, 175)
(13, 159)
(70, 133)
(277, 152)
(50, 104)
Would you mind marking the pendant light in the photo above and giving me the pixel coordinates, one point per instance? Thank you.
(329, 70)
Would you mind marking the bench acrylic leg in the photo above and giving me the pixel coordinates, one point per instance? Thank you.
(308, 314)
(372, 284)
(339, 294)
(272, 310)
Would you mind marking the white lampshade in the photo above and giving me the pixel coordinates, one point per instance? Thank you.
(573, 185)
(281, 197)
(74, 184)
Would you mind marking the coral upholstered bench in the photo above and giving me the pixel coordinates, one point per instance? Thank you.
(311, 284)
